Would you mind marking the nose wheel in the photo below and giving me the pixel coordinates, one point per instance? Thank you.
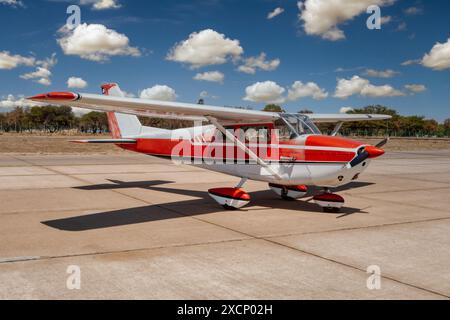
(289, 193)
(329, 202)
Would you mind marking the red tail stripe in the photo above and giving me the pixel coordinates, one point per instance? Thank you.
(113, 125)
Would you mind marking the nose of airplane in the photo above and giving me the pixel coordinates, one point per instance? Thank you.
(374, 152)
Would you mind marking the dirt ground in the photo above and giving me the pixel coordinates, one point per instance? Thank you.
(59, 144)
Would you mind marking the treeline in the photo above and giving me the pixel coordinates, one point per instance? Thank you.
(52, 119)
(398, 126)
(55, 119)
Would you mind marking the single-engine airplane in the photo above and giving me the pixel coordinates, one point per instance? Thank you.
(287, 151)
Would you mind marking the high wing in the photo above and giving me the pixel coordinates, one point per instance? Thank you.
(346, 117)
(154, 108)
(177, 110)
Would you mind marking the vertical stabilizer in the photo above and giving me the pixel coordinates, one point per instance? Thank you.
(121, 125)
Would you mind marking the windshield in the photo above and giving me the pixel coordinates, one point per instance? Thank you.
(296, 125)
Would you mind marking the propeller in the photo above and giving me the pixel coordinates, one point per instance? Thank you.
(382, 143)
(361, 157)
(368, 152)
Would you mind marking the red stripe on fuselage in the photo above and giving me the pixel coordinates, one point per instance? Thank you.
(336, 142)
(185, 148)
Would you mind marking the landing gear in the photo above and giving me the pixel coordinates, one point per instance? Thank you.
(329, 202)
(289, 193)
(231, 198)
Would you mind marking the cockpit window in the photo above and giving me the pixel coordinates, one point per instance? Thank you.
(293, 125)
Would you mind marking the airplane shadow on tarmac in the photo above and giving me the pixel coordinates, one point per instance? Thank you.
(173, 210)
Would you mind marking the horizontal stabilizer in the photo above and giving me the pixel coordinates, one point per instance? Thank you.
(114, 141)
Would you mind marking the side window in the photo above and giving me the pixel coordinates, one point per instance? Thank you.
(256, 134)
(284, 132)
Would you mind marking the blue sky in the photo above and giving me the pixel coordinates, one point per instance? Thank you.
(297, 49)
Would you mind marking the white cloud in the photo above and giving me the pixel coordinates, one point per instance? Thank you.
(322, 17)
(253, 63)
(128, 94)
(299, 90)
(49, 62)
(206, 94)
(9, 61)
(203, 48)
(439, 56)
(415, 88)
(340, 69)
(39, 73)
(412, 11)
(12, 3)
(402, 26)
(95, 42)
(44, 81)
(380, 91)
(12, 101)
(410, 62)
(212, 76)
(357, 85)
(388, 73)
(74, 82)
(346, 88)
(385, 19)
(275, 12)
(345, 109)
(101, 4)
(268, 92)
(42, 73)
(159, 92)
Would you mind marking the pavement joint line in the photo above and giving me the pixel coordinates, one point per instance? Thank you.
(274, 242)
(322, 257)
(393, 191)
(10, 213)
(357, 228)
(358, 268)
(401, 203)
(102, 253)
(84, 174)
(417, 179)
(18, 259)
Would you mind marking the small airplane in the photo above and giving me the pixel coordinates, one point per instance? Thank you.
(285, 150)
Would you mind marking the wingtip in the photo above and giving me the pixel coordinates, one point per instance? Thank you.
(55, 96)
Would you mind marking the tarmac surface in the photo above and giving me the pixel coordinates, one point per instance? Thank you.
(143, 228)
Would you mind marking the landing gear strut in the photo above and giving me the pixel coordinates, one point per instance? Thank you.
(329, 202)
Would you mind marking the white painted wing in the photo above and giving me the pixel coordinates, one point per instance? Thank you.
(316, 117)
(185, 111)
(154, 108)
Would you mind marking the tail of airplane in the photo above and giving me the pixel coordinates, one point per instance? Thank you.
(121, 125)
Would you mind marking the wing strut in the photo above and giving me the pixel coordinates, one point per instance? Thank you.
(336, 129)
(242, 146)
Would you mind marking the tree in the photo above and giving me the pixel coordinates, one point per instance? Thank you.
(431, 127)
(94, 122)
(273, 108)
(447, 126)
